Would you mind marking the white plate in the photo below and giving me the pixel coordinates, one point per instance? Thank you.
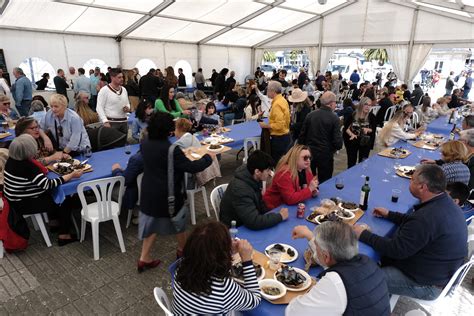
(274, 283)
(261, 277)
(285, 258)
(306, 284)
(215, 150)
(351, 216)
(65, 164)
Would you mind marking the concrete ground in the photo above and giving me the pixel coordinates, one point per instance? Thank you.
(67, 281)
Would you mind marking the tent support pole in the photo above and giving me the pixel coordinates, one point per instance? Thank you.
(198, 47)
(410, 45)
(320, 44)
(119, 43)
(252, 61)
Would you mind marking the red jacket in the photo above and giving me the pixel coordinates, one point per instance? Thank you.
(286, 191)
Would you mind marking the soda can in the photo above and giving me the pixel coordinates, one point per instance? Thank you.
(300, 210)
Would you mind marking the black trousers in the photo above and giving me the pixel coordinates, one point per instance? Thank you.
(120, 126)
(279, 146)
(322, 165)
(352, 150)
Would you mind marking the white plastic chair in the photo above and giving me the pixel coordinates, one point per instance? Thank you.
(190, 194)
(448, 290)
(415, 120)
(390, 112)
(162, 299)
(374, 109)
(38, 222)
(1, 249)
(237, 121)
(130, 211)
(254, 141)
(103, 210)
(216, 197)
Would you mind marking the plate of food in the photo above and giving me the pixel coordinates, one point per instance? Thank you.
(398, 151)
(349, 206)
(272, 289)
(237, 272)
(215, 147)
(405, 171)
(294, 279)
(289, 254)
(345, 214)
(66, 166)
(321, 218)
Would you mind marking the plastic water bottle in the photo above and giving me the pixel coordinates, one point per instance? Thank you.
(233, 230)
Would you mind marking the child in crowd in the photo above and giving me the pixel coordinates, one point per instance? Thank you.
(142, 114)
(459, 192)
(211, 111)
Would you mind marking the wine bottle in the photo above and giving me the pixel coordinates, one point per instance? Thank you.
(453, 132)
(233, 230)
(364, 195)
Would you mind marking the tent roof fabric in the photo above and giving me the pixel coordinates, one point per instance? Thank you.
(248, 23)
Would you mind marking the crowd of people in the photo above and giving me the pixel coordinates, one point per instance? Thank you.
(303, 127)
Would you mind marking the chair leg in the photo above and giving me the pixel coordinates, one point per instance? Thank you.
(206, 203)
(393, 301)
(1, 249)
(35, 222)
(44, 232)
(118, 230)
(95, 238)
(191, 206)
(129, 217)
(46, 218)
(75, 225)
(83, 229)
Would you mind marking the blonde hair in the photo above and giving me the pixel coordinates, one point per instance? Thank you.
(441, 101)
(359, 114)
(289, 161)
(454, 150)
(59, 99)
(183, 125)
(129, 75)
(86, 114)
(386, 131)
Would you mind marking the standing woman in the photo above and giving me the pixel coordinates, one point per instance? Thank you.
(43, 82)
(167, 103)
(133, 90)
(252, 110)
(170, 79)
(359, 133)
(154, 216)
(301, 108)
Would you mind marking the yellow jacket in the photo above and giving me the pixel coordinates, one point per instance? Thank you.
(279, 119)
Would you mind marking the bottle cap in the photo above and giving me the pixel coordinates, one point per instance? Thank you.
(233, 223)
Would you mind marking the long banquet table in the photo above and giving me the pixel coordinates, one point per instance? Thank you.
(380, 195)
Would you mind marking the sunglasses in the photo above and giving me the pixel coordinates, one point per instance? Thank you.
(60, 131)
(6, 103)
(306, 158)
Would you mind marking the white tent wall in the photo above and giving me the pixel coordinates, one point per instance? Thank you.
(234, 58)
(432, 27)
(134, 50)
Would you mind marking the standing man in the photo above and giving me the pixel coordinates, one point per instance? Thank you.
(213, 77)
(302, 77)
(467, 86)
(181, 78)
(72, 77)
(449, 83)
(199, 78)
(282, 80)
(230, 82)
(150, 85)
(355, 78)
(278, 122)
(94, 79)
(82, 83)
(429, 244)
(112, 102)
(22, 92)
(61, 84)
(322, 133)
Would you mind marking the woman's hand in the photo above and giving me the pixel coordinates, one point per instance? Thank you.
(352, 136)
(367, 130)
(245, 250)
(187, 112)
(427, 161)
(313, 185)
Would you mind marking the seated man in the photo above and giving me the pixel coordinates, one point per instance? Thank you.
(430, 242)
(351, 283)
(459, 192)
(242, 201)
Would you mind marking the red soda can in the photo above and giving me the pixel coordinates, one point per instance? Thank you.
(300, 210)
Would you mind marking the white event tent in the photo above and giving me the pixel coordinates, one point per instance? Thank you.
(228, 33)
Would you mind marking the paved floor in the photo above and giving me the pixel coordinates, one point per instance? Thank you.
(67, 281)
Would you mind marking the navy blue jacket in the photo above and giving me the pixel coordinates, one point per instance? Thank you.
(134, 168)
(430, 243)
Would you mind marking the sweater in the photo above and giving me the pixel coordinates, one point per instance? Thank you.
(279, 119)
(110, 104)
(429, 244)
(242, 202)
(286, 191)
(226, 296)
(160, 106)
(456, 171)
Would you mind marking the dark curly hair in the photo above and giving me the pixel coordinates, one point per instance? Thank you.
(141, 108)
(160, 126)
(207, 254)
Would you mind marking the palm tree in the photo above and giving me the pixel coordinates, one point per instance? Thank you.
(269, 56)
(379, 54)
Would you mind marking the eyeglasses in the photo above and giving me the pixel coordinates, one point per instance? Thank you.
(306, 158)
(35, 127)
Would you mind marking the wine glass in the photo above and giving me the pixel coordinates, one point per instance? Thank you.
(128, 149)
(396, 166)
(387, 169)
(365, 165)
(339, 183)
(88, 152)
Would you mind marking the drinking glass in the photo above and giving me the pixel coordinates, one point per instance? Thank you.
(396, 166)
(128, 149)
(387, 169)
(88, 152)
(339, 183)
(365, 165)
(274, 262)
(395, 195)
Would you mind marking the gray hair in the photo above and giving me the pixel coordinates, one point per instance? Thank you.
(431, 175)
(36, 106)
(275, 86)
(19, 70)
(327, 98)
(467, 136)
(469, 121)
(338, 239)
(23, 147)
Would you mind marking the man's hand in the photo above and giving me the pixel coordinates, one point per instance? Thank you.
(301, 231)
(107, 124)
(116, 166)
(380, 212)
(358, 229)
(284, 213)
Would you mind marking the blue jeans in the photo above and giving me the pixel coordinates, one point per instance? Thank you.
(228, 117)
(400, 284)
(466, 94)
(24, 107)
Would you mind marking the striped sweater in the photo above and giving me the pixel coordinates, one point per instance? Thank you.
(23, 180)
(226, 296)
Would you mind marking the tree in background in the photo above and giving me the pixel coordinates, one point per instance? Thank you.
(269, 56)
(379, 54)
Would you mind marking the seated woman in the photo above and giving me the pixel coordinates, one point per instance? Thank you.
(28, 189)
(453, 155)
(237, 108)
(293, 181)
(393, 131)
(428, 112)
(5, 112)
(168, 104)
(28, 125)
(203, 284)
(182, 132)
(252, 110)
(441, 106)
(89, 117)
(142, 116)
(65, 127)
(37, 110)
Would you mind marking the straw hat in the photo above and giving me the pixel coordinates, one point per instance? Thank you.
(297, 95)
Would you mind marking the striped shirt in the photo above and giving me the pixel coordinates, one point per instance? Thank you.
(23, 179)
(226, 296)
(456, 171)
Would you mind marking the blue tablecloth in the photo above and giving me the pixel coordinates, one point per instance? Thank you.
(9, 138)
(220, 107)
(380, 195)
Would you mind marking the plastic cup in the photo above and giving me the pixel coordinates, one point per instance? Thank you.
(395, 195)
(274, 262)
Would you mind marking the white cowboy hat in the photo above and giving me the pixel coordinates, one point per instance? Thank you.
(297, 95)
